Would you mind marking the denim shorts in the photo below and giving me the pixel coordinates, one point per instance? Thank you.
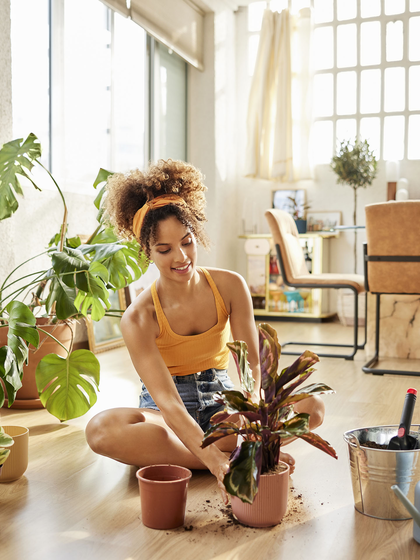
(197, 392)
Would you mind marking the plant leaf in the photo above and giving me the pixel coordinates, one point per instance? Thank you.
(308, 391)
(10, 374)
(102, 176)
(244, 472)
(317, 441)
(5, 439)
(298, 425)
(16, 158)
(67, 386)
(235, 402)
(220, 431)
(69, 261)
(4, 453)
(22, 322)
(63, 296)
(240, 355)
(219, 417)
(269, 358)
(304, 362)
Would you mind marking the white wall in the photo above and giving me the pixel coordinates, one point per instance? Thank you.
(211, 132)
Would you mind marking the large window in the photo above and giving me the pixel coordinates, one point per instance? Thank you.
(366, 61)
(367, 64)
(95, 89)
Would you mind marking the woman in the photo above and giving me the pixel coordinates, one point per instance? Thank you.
(176, 330)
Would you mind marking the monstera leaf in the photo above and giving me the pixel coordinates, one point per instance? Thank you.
(22, 331)
(16, 158)
(67, 386)
(121, 258)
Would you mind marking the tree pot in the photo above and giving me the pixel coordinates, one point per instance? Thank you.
(163, 495)
(27, 397)
(301, 226)
(17, 462)
(270, 503)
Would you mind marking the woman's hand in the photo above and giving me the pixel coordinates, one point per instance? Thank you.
(219, 472)
(286, 458)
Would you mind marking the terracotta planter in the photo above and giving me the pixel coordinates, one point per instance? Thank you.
(270, 503)
(163, 495)
(27, 397)
(17, 462)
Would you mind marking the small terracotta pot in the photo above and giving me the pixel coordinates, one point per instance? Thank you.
(270, 503)
(163, 495)
(17, 462)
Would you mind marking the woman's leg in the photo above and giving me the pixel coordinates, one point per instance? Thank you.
(140, 437)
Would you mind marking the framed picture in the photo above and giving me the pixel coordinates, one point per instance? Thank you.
(291, 201)
(322, 221)
(106, 333)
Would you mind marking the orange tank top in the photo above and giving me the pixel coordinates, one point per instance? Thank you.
(184, 355)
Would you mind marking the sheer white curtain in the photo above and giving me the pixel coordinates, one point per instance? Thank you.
(279, 109)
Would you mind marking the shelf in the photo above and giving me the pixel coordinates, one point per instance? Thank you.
(307, 235)
(263, 312)
(271, 297)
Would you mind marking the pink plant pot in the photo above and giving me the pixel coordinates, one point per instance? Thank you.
(270, 503)
(163, 495)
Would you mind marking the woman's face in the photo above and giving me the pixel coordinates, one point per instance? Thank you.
(174, 250)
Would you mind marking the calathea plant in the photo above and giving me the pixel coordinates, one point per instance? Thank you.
(77, 283)
(266, 423)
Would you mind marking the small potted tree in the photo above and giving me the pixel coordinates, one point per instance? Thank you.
(76, 284)
(355, 165)
(298, 212)
(257, 479)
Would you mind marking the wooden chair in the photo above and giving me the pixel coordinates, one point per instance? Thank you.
(295, 274)
(392, 259)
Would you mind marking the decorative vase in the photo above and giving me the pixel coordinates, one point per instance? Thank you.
(17, 462)
(301, 226)
(163, 495)
(27, 397)
(270, 503)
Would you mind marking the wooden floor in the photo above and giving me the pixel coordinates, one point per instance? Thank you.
(72, 504)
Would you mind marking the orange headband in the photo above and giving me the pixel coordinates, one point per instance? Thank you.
(157, 202)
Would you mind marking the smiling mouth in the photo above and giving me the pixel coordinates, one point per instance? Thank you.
(182, 268)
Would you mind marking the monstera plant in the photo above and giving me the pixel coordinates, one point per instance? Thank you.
(77, 283)
(266, 423)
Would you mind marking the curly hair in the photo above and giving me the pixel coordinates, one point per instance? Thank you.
(127, 193)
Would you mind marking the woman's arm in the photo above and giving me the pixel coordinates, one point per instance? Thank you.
(140, 338)
(238, 300)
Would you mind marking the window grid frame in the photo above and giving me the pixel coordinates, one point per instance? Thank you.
(382, 66)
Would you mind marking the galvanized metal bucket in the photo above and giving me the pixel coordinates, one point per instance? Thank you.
(374, 471)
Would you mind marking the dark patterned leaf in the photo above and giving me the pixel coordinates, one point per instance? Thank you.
(317, 441)
(243, 476)
(240, 355)
(220, 431)
(305, 361)
(269, 356)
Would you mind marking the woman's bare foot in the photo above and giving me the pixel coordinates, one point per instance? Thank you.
(286, 458)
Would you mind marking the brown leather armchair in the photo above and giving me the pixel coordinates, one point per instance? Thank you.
(392, 259)
(295, 274)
